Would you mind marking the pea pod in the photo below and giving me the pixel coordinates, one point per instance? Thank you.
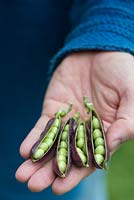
(97, 137)
(80, 153)
(45, 146)
(62, 159)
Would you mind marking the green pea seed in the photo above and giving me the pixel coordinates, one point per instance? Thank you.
(62, 113)
(38, 153)
(80, 143)
(100, 150)
(81, 128)
(61, 158)
(62, 166)
(56, 123)
(97, 133)
(63, 144)
(96, 123)
(49, 141)
(80, 134)
(79, 150)
(84, 149)
(51, 135)
(64, 135)
(44, 146)
(99, 141)
(83, 157)
(99, 159)
(54, 130)
(62, 151)
(66, 127)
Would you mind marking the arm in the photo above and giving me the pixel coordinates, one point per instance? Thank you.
(107, 78)
(99, 25)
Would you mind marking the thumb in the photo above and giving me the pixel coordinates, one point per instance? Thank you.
(123, 127)
(121, 131)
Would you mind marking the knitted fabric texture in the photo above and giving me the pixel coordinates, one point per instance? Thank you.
(99, 25)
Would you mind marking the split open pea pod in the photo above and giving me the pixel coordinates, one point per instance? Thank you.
(80, 141)
(97, 137)
(45, 146)
(62, 159)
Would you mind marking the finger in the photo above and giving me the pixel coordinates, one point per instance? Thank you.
(33, 136)
(119, 132)
(42, 178)
(61, 185)
(123, 128)
(26, 170)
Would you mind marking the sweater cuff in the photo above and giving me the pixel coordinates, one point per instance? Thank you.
(106, 29)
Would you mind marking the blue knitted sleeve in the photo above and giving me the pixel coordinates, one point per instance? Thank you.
(99, 25)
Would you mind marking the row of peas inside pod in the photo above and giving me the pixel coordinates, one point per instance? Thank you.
(99, 149)
(74, 141)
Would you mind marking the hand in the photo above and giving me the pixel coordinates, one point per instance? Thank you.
(107, 79)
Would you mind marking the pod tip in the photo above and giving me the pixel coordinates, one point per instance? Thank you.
(87, 104)
(63, 176)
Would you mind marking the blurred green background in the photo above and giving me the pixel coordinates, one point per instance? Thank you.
(121, 173)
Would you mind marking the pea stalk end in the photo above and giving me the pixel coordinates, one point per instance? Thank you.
(63, 113)
(76, 116)
(87, 104)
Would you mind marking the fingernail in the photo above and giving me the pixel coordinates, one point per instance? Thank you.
(115, 143)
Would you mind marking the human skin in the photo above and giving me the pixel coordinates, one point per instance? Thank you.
(107, 79)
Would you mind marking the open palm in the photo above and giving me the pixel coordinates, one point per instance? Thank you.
(107, 79)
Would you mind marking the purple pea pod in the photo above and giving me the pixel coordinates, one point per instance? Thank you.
(62, 159)
(97, 138)
(80, 141)
(45, 147)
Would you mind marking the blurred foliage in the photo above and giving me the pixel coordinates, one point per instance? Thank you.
(121, 173)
